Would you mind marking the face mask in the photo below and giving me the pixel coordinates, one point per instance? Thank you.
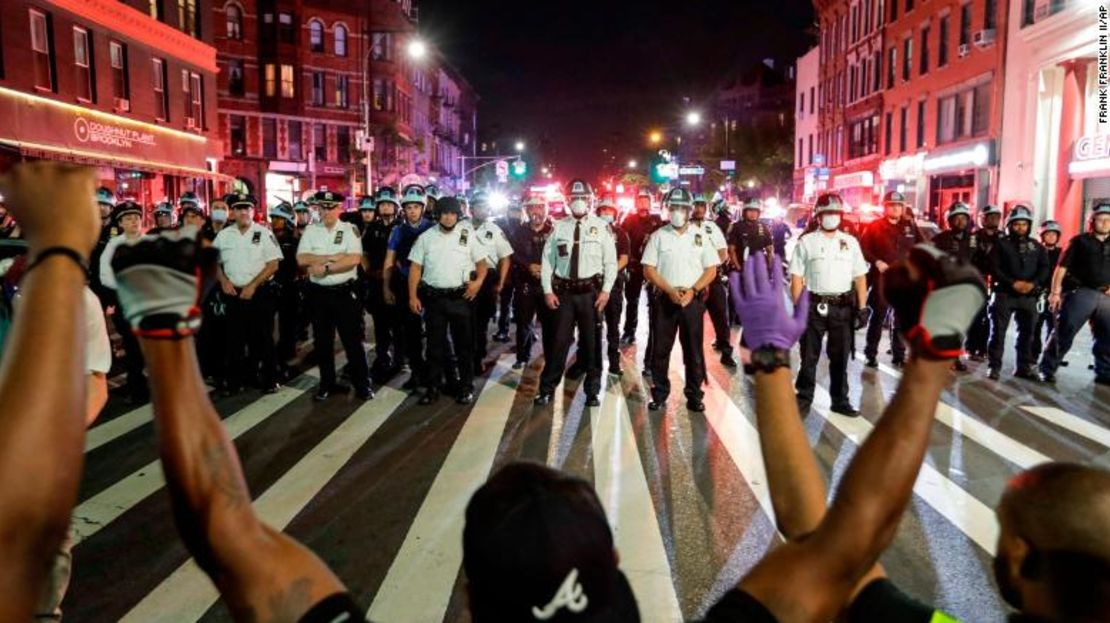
(678, 218)
(219, 215)
(830, 222)
(608, 218)
(579, 207)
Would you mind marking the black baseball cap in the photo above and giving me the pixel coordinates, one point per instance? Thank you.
(533, 533)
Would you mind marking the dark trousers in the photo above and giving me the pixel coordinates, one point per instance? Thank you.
(409, 328)
(651, 328)
(132, 356)
(632, 291)
(611, 319)
(213, 334)
(837, 323)
(507, 294)
(717, 305)
(1085, 305)
(528, 303)
(879, 312)
(978, 334)
(289, 310)
(688, 322)
(485, 306)
(454, 315)
(575, 310)
(1024, 311)
(338, 309)
(1044, 322)
(386, 320)
(250, 326)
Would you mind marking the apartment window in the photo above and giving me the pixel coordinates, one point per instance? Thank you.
(1028, 12)
(799, 158)
(238, 125)
(893, 10)
(234, 17)
(903, 122)
(381, 47)
(118, 53)
(379, 95)
(269, 137)
(921, 124)
(891, 63)
(288, 89)
(811, 98)
(965, 24)
(888, 131)
(156, 11)
(235, 83)
(316, 36)
(269, 79)
(342, 92)
(907, 58)
(854, 21)
(187, 17)
(877, 72)
(320, 142)
(990, 14)
(193, 88)
(981, 110)
(317, 88)
(924, 68)
(295, 151)
(801, 104)
(942, 43)
(867, 17)
(964, 114)
(158, 78)
(82, 65)
(42, 45)
(852, 83)
(340, 41)
(909, 5)
(343, 144)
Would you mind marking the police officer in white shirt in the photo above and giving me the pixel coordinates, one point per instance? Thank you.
(578, 271)
(716, 301)
(448, 268)
(830, 264)
(330, 252)
(249, 257)
(128, 217)
(497, 248)
(680, 261)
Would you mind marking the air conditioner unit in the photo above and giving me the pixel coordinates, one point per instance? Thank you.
(190, 123)
(965, 49)
(984, 37)
(122, 103)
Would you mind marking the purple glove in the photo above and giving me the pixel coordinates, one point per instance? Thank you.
(759, 304)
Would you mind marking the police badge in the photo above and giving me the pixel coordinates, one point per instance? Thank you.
(339, 237)
(697, 240)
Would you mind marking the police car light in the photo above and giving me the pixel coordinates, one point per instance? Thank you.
(498, 201)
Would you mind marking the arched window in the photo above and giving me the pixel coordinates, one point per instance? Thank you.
(316, 36)
(234, 16)
(341, 40)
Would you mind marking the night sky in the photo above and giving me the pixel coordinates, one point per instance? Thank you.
(578, 77)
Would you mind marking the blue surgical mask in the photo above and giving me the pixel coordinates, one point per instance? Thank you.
(830, 222)
(678, 218)
(608, 218)
(219, 215)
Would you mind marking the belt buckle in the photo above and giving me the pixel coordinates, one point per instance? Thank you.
(823, 309)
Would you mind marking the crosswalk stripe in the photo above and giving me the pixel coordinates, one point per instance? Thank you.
(1082, 427)
(105, 507)
(187, 593)
(620, 484)
(419, 583)
(118, 427)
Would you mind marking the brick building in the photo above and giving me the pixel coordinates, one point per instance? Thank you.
(128, 87)
(810, 173)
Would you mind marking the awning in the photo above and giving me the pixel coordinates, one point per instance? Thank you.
(34, 150)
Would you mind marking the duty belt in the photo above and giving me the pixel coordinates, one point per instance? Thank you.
(575, 286)
(430, 292)
(346, 285)
(832, 300)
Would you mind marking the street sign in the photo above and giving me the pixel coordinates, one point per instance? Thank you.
(694, 170)
(728, 165)
(502, 168)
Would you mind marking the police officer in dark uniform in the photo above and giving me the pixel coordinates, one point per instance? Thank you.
(432, 196)
(1050, 233)
(286, 288)
(578, 271)
(528, 242)
(509, 223)
(105, 201)
(303, 215)
(395, 275)
(884, 242)
(716, 302)
(1086, 264)
(1019, 270)
(639, 226)
(722, 215)
(749, 238)
(367, 212)
(375, 244)
(163, 217)
(611, 315)
(959, 241)
(990, 219)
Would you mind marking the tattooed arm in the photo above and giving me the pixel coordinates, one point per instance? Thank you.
(263, 575)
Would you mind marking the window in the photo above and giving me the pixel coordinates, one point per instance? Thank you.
(907, 58)
(118, 52)
(82, 65)
(924, 68)
(810, 142)
(269, 79)
(852, 83)
(942, 43)
(234, 16)
(382, 46)
(42, 44)
(909, 5)
(286, 32)
(316, 36)
(187, 17)
(799, 158)
(238, 125)
(158, 79)
(295, 151)
(156, 11)
(921, 124)
(877, 72)
(340, 41)
(862, 137)
(317, 88)
(379, 95)
(811, 98)
(801, 104)
(965, 24)
(990, 14)
(288, 89)
(854, 24)
(867, 17)
(902, 128)
(893, 10)
(342, 93)
(343, 144)
(981, 110)
(192, 88)
(888, 131)
(891, 63)
(1028, 12)
(269, 137)
(235, 84)
(319, 142)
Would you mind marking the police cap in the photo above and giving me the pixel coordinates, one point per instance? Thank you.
(894, 197)
(124, 208)
(240, 200)
(414, 193)
(1049, 226)
(105, 196)
(326, 199)
(188, 197)
(957, 209)
(579, 188)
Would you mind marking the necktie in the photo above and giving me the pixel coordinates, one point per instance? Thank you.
(574, 250)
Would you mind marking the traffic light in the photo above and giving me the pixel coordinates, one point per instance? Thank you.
(519, 169)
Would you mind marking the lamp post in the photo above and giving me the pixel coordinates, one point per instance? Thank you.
(416, 50)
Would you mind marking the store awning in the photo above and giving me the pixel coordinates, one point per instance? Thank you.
(33, 150)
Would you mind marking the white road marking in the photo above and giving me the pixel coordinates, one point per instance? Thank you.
(114, 429)
(1080, 426)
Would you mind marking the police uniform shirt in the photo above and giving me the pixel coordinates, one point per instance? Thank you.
(828, 264)
(680, 258)
(1087, 260)
(447, 258)
(493, 241)
(597, 253)
(342, 239)
(716, 236)
(244, 254)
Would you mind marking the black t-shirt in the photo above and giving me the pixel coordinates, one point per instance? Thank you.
(738, 607)
(1088, 261)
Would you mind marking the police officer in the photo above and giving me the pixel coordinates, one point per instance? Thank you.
(495, 243)
(611, 315)
(1019, 270)
(395, 275)
(163, 216)
(330, 252)
(447, 272)
(958, 241)
(680, 261)
(375, 244)
(829, 263)
(722, 215)
(749, 238)
(990, 219)
(639, 226)
(303, 216)
(528, 244)
(716, 301)
(885, 242)
(1086, 264)
(105, 201)
(285, 286)
(189, 210)
(127, 218)
(509, 223)
(578, 271)
(249, 258)
(367, 211)
(1050, 239)
(432, 195)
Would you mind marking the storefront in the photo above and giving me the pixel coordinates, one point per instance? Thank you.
(1090, 166)
(857, 189)
(961, 173)
(904, 175)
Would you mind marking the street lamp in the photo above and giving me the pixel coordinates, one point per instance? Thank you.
(519, 146)
(655, 137)
(632, 164)
(693, 118)
(417, 49)
(751, 183)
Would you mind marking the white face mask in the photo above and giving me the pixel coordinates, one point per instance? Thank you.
(219, 215)
(579, 207)
(678, 218)
(830, 222)
(608, 218)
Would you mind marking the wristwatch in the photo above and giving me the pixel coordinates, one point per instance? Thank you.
(768, 359)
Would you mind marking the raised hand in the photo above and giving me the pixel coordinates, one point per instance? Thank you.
(53, 204)
(758, 299)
